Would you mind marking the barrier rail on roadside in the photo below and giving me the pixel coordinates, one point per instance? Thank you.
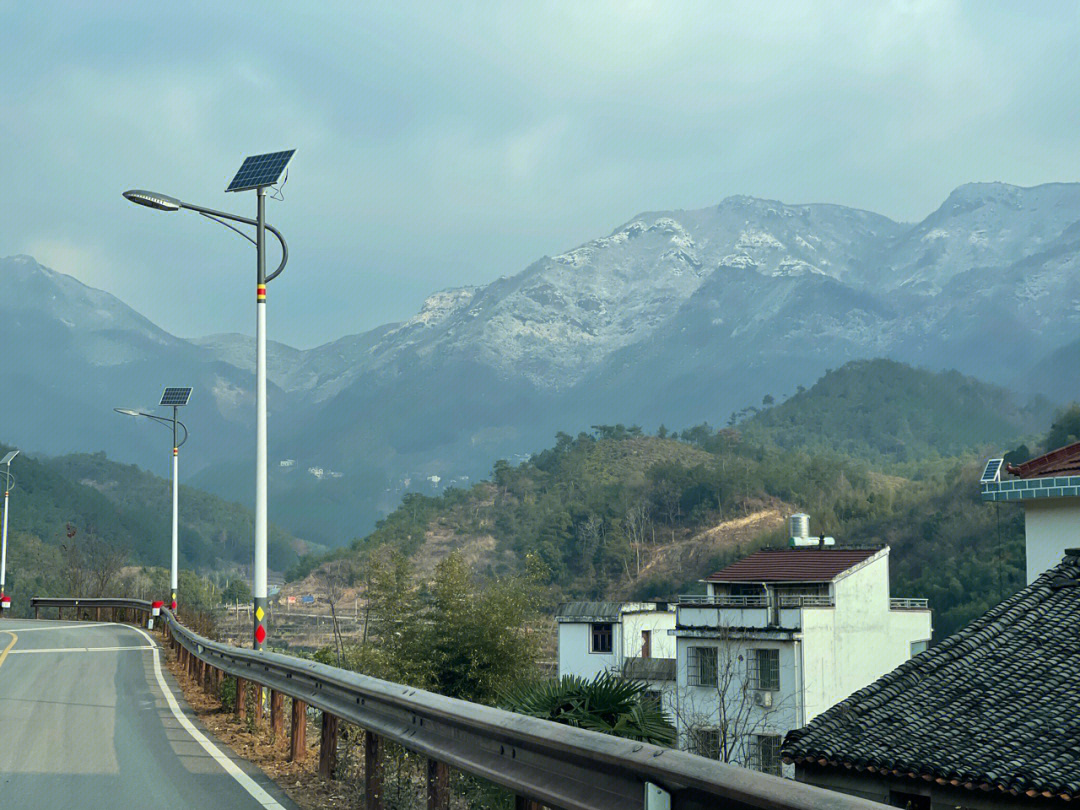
(545, 764)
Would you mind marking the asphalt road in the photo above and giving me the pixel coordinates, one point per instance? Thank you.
(89, 718)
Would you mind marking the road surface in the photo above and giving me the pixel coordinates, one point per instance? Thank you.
(90, 718)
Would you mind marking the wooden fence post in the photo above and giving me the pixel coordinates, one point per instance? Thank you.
(241, 699)
(328, 746)
(97, 614)
(373, 799)
(521, 803)
(298, 731)
(438, 785)
(277, 722)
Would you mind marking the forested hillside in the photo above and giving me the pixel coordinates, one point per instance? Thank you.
(89, 506)
(617, 513)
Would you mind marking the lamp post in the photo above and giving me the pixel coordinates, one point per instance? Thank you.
(256, 173)
(176, 397)
(9, 484)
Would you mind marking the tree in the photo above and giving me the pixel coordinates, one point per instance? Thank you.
(236, 591)
(608, 704)
(1066, 428)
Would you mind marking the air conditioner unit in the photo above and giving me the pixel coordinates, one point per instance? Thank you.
(763, 699)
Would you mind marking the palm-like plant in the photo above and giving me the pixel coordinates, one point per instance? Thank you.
(607, 703)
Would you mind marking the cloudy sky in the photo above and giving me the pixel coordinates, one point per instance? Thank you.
(446, 144)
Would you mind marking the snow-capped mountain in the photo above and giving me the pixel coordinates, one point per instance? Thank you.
(675, 317)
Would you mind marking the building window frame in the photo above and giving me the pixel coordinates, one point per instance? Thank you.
(602, 638)
(920, 646)
(766, 754)
(703, 666)
(704, 741)
(763, 669)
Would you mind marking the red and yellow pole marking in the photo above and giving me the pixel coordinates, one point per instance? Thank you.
(260, 293)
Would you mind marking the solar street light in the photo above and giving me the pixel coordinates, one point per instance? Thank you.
(176, 398)
(255, 174)
(9, 484)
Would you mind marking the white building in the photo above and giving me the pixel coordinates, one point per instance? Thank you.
(1048, 487)
(633, 639)
(781, 636)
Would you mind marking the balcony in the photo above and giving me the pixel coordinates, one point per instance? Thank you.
(756, 612)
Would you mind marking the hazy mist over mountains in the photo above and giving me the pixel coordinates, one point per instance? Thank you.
(675, 317)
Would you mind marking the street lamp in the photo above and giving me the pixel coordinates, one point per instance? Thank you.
(9, 484)
(176, 397)
(255, 174)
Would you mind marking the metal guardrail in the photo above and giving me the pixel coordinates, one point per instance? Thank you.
(909, 604)
(544, 763)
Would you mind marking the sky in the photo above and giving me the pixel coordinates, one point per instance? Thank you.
(448, 144)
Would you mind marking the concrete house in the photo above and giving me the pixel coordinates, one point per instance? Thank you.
(781, 636)
(632, 639)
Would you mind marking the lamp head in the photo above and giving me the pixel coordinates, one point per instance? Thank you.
(126, 411)
(7, 458)
(152, 199)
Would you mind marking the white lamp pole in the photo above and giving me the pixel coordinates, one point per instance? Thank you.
(5, 600)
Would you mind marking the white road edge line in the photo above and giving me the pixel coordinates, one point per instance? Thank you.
(77, 649)
(230, 767)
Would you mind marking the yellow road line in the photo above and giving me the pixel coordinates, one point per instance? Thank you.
(7, 649)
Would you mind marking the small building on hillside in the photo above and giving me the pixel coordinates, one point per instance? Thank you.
(988, 718)
(1048, 487)
(779, 637)
(632, 639)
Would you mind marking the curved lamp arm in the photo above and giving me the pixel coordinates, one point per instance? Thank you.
(163, 202)
(161, 420)
(9, 480)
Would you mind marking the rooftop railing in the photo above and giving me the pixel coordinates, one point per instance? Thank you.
(726, 601)
(909, 604)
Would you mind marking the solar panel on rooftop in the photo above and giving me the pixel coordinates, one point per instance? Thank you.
(260, 170)
(175, 396)
(993, 466)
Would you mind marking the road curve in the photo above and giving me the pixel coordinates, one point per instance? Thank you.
(89, 718)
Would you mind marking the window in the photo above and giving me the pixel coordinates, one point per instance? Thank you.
(705, 742)
(766, 754)
(646, 643)
(919, 646)
(601, 638)
(763, 670)
(701, 666)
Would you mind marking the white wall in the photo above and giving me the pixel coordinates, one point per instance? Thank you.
(657, 621)
(574, 656)
(1051, 527)
(853, 644)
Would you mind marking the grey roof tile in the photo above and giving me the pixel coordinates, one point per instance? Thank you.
(996, 705)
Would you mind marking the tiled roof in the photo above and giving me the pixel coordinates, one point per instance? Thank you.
(1063, 461)
(793, 565)
(589, 612)
(994, 707)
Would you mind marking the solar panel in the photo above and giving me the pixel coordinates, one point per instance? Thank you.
(260, 170)
(175, 396)
(990, 474)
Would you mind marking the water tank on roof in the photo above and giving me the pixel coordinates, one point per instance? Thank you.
(799, 524)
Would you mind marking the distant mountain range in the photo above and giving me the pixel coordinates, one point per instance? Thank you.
(676, 317)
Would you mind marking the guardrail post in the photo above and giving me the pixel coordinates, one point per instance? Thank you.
(521, 803)
(241, 699)
(97, 614)
(372, 772)
(438, 785)
(208, 679)
(258, 703)
(35, 611)
(277, 724)
(328, 746)
(298, 731)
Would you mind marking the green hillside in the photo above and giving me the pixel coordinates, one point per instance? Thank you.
(84, 501)
(615, 513)
(889, 411)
